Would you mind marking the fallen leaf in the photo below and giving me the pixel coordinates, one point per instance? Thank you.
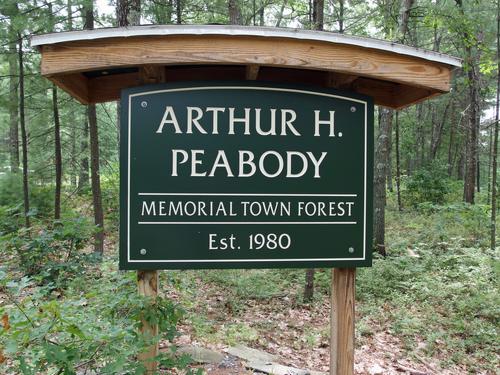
(5, 322)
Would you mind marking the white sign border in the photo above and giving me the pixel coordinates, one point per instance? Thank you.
(262, 88)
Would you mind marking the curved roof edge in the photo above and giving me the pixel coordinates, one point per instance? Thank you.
(228, 30)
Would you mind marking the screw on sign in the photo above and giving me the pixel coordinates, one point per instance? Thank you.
(211, 167)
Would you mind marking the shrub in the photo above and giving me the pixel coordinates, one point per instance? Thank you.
(93, 330)
(52, 255)
(428, 184)
(41, 197)
(110, 186)
(11, 218)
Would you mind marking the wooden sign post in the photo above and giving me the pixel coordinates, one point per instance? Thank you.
(343, 290)
(147, 283)
(148, 280)
(190, 145)
(209, 209)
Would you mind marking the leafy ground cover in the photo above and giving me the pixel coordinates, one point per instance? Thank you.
(432, 305)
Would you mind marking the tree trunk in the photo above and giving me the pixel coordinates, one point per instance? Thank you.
(383, 148)
(280, 15)
(73, 156)
(318, 14)
(438, 129)
(490, 161)
(453, 126)
(420, 137)
(380, 174)
(461, 165)
(234, 13)
(178, 11)
(128, 12)
(390, 186)
(398, 165)
(341, 16)
(404, 16)
(473, 115)
(13, 104)
(24, 137)
(309, 285)
(69, 5)
(471, 139)
(58, 154)
(83, 180)
(495, 143)
(133, 14)
(478, 171)
(96, 180)
(74, 169)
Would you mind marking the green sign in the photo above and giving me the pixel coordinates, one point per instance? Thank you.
(245, 175)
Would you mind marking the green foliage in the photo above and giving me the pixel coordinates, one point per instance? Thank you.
(428, 184)
(52, 255)
(41, 196)
(110, 185)
(474, 219)
(444, 298)
(11, 218)
(72, 314)
(436, 291)
(49, 335)
(11, 186)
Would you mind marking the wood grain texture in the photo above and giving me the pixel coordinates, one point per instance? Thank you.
(252, 72)
(342, 321)
(75, 84)
(147, 280)
(147, 284)
(107, 88)
(78, 56)
(151, 74)
(341, 81)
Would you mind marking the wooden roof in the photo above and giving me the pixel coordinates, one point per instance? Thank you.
(94, 65)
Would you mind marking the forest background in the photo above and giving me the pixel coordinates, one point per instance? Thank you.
(431, 297)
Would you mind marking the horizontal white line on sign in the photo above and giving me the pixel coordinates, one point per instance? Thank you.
(247, 222)
(237, 260)
(252, 194)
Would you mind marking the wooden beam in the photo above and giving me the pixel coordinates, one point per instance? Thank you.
(341, 81)
(342, 321)
(205, 72)
(252, 72)
(78, 56)
(151, 74)
(107, 88)
(75, 84)
(405, 97)
(383, 93)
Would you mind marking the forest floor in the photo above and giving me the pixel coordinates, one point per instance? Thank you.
(432, 306)
(297, 333)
